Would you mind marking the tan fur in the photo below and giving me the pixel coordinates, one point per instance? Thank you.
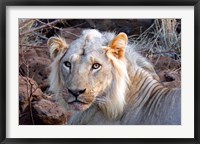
(57, 45)
(118, 45)
(123, 90)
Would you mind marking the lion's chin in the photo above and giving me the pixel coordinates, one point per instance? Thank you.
(77, 106)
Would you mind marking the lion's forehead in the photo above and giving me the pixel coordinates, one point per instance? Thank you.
(96, 43)
(86, 52)
(89, 57)
(80, 50)
(89, 40)
(88, 47)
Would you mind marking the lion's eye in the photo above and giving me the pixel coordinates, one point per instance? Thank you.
(67, 64)
(96, 66)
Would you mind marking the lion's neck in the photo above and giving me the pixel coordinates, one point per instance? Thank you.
(142, 86)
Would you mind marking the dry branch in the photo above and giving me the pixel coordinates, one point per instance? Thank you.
(41, 27)
(33, 46)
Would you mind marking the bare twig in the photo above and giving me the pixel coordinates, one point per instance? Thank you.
(57, 28)
(157, 60)
(48, 24)
(43, 37)
(79, 25)
(41, 27)
(33, 46)
(30, 104)
(25, 23)
(21, 25)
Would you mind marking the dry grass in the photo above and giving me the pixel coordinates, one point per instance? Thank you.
(160, 39)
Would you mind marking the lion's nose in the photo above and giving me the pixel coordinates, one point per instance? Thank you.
(76, 92)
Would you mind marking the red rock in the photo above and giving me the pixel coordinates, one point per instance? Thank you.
(28, 90)
(47, 112)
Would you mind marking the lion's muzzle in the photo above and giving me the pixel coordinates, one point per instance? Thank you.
(77, 100)
(77, 92)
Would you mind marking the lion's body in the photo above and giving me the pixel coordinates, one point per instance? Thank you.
(118, 86)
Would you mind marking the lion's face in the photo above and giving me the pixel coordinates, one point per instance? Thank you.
(85, 68)
(86, 73)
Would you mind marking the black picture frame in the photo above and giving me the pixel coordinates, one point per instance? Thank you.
(5, 3)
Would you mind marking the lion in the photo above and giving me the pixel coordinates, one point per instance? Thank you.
(104, 81)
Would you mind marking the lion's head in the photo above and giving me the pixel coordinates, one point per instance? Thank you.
(90, 71)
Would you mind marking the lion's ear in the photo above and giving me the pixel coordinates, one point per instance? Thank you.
(118, 45)
(56, 46)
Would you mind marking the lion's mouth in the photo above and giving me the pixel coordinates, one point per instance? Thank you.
(78, 105)
(77, 101)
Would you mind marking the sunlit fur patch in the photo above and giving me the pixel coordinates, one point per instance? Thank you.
(116, 100)
(118, 45)
(74, 57)
(57, 45)
(90, 34)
